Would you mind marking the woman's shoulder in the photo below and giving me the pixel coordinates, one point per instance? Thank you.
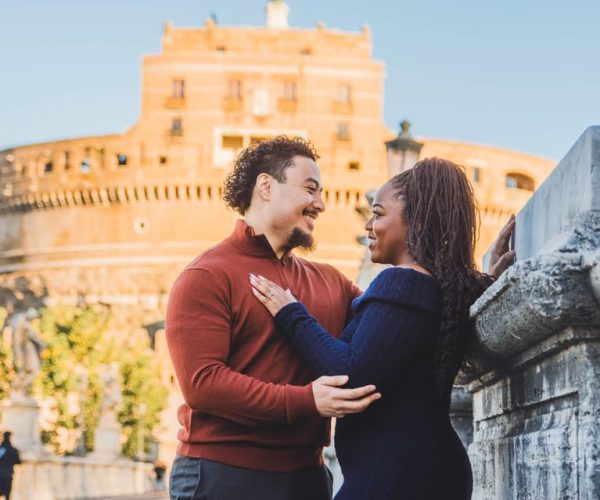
(404, 286)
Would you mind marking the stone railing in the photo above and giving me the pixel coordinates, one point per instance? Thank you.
(66, 478)
(536, 405)
(142, 193)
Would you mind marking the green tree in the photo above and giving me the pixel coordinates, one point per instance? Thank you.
(7, 371)
(144, 398)
(78, 348)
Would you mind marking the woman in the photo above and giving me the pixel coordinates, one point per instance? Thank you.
(407, 337)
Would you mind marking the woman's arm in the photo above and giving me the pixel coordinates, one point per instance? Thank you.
(387, 337)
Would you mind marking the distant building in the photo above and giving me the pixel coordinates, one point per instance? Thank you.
(115, 218)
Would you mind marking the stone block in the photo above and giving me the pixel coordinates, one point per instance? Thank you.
(536, 422)
(539, 296)
(461, 414)
(20, 416)
(70, 478)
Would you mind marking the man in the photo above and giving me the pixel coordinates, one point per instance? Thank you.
(253, 423)
(9, 457)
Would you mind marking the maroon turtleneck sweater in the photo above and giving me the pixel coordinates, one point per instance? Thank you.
(248, 395)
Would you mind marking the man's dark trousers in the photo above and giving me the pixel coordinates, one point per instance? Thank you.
(201, 479)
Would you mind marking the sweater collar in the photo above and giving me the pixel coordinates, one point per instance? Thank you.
(245, 239)
(405, 287)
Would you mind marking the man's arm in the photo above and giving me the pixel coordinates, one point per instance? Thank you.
(198, 331)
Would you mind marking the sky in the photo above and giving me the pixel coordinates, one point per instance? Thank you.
(523, 75)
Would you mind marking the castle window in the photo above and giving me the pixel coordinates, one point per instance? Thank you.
(179, 88)
(519, 181)
(101, 156)
(258, 138)
(354, 165)
(343, 131)
(176, 127)
(344, 95)
(85, 166)
(67, 160)
(234, 89)
(289, 91)
(234, 142)
(48, 167)
(121, 160)
(162, 160)
(476, 174)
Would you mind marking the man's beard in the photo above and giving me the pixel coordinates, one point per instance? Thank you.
(299, 239)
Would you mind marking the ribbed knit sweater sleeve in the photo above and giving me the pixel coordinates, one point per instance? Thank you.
(198, 331)
(391, 324)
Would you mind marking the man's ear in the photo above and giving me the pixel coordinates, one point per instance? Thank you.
(264, 183)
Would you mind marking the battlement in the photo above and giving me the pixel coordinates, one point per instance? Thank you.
(254, 41)
(127, 194)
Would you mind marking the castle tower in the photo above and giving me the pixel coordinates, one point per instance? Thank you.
(277, 14)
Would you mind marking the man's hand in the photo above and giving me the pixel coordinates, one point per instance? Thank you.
(502, 256)
(332, 401)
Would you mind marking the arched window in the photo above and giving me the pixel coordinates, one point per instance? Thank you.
(515, 180)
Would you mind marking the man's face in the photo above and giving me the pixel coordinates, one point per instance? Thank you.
(297, 202)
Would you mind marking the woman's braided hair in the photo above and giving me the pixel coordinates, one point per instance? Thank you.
(441, 213)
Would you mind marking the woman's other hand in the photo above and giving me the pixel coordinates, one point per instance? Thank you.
(273, 297)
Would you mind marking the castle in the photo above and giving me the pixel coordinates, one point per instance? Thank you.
(115, 218)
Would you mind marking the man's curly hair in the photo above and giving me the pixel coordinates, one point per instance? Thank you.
(271, 157)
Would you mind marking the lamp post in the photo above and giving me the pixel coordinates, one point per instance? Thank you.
(403, 151)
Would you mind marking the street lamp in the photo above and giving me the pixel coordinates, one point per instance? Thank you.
(403, 151)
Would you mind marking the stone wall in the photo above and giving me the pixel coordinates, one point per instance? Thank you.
(536, 403)
(69, 478)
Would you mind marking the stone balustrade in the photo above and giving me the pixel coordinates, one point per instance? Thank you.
(66, 478)
(536, 402)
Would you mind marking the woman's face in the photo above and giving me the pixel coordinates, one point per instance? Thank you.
(386, 229)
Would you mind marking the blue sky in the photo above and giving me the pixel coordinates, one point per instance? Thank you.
(517, 74)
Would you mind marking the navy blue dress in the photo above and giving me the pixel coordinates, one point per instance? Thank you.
(403, 446)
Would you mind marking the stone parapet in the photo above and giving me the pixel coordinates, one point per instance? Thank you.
(539, 296)
(536, 429)
(67, 478)
(536, 401)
